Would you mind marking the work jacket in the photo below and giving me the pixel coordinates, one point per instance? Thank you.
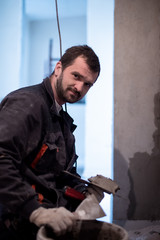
(36, 145)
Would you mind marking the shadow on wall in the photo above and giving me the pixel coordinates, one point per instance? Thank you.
(120, 200)
(144, 175)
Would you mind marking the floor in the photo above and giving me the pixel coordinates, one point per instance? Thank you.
(141, 230)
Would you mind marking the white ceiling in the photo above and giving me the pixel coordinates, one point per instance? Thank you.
(45, 9)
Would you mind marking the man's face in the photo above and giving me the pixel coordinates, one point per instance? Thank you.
(74, 82)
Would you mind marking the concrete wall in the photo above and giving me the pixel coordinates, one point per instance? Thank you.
(137, 109)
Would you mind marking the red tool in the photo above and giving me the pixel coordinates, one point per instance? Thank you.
(70, 192)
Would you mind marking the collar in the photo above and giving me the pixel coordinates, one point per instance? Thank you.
(48, 88)
(58, 107)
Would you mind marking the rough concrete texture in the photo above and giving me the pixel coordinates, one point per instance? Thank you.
(137, 109)
(145, 178)
(148, 233)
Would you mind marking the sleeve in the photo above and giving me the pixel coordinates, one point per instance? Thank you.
(20, 131)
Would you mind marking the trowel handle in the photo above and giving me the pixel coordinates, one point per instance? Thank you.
(71, 192)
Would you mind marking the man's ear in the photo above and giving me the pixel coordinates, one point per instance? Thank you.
(58, 69)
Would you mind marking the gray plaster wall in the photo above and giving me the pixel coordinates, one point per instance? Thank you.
(137, 109)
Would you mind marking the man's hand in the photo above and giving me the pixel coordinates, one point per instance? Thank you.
(98, 193)
(59, 219)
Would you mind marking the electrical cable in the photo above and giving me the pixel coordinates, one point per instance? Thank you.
(60, 41)
(59, 32)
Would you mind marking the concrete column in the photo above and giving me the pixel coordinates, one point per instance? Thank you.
(137, 94)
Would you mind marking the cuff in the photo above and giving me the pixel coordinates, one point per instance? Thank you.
(29, 207)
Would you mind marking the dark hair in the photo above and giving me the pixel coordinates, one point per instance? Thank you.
(81, 50)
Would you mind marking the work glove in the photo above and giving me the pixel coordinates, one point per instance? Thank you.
(59, 219)
(96, 191)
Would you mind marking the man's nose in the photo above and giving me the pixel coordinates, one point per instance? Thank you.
(79, 86)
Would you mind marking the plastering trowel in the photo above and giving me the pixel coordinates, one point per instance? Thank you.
(89, 208)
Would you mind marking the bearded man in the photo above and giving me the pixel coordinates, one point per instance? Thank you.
(36, 146)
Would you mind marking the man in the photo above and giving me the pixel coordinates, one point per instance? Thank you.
(37, 145)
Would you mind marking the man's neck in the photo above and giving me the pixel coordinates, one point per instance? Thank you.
(53, 83)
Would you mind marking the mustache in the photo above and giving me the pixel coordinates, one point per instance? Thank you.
(75, 91)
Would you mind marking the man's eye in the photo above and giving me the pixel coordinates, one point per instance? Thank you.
(88, 85)
(76, 76)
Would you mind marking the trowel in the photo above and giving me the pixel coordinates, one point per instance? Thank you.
(106, 184)
(89, 208)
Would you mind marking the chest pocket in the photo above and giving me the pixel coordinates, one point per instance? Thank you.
(52, 155)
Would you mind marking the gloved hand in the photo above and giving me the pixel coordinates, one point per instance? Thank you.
(98, 193)
(59, 219)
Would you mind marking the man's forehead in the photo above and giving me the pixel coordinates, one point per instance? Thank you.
(80, 58)
(79, 63)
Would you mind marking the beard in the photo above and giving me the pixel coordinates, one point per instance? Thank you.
(63, 94)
